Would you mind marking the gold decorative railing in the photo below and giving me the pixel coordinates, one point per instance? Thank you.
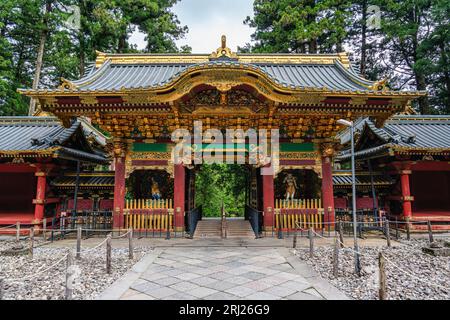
(298, 212)
(298, 204)
(149, 215)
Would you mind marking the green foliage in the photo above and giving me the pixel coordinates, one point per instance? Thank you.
(302, 26)
(405, 29)
(411, 48)
(215, 183)
(105, 26)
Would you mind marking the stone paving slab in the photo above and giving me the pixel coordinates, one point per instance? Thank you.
(221, 273)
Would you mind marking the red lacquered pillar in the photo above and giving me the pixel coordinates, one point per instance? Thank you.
(39, 202)
(327, 190)
(406, 193)
(119, 191)
(268, 201)
(178, 195)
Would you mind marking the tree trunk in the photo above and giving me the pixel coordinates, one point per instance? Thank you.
(81, 38)
(40, 55)
(362, 68)
(20, 61)
(421, 84)
(446, 73)
(82, 56)
(122, 43)
(313, 46)
(424, 105)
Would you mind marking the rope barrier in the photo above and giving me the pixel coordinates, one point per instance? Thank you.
(92, 249)
(396, 266)
(121, 236)
(99, 230)
(41, 270)
(38, 272)
(7, 227)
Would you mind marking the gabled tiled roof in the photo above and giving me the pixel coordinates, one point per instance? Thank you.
(41, 135)
(344, 179)
(114, 77)
(87, 180)
(406, 133)
(32, 133)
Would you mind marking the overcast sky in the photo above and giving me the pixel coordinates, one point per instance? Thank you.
(207, 20)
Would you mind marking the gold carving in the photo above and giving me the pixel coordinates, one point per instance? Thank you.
(150, 155)
(67, 85)
(317, 168)
(358, 101)
(327, 149)
(101, 58)
(88, 99)
(243, 57)
(17, 160)
(299, 155)
(380, 85)
(139, 98)
(223, 51)
(119, 148)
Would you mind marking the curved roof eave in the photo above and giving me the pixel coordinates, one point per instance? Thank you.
(285, 88)
(93, 75)
(361, 86)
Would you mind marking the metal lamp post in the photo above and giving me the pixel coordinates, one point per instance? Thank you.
(352, 132)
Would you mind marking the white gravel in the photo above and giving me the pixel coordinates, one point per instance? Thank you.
(49, 285)
(400, 286)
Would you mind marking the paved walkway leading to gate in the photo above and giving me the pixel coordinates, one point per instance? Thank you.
(223, 273)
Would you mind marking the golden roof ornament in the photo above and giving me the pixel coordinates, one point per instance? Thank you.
(223, 51)
(66, 84)
(380, 85)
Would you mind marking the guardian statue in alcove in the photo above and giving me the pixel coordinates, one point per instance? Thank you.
(291, 186)
(156, 193)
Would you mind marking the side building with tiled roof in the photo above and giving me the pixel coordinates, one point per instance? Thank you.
(413, 151)
(33, 152)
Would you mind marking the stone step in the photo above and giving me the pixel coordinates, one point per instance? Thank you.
(207, 229)
(236, 228)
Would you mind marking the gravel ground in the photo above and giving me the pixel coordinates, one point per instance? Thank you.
(49, 285)
(400, 286)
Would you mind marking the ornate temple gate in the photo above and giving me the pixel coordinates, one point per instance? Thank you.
(141, 99)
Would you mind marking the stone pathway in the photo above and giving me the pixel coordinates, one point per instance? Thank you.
(221, 273)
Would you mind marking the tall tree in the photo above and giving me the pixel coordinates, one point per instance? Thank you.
(107, 25)
(37, 47)
(406, 24)
(301, 26)
(410, 47)
(43, 34)
(19, 21)
(435, 61)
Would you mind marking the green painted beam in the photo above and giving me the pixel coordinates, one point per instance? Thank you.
(297, 147)
(150, 147)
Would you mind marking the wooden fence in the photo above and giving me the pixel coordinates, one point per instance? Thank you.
(149, 215)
